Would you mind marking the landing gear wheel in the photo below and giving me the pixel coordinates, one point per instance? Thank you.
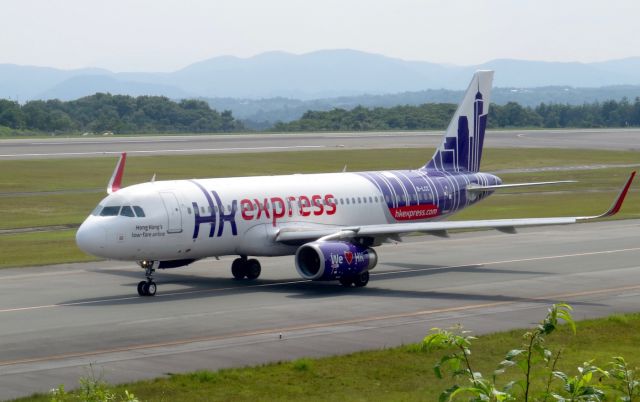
(147, 288)
(361, 280)
(150, 288)
(252, 269)
(238, 268)
(346, 281)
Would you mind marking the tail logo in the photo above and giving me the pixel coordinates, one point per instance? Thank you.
(461, 149)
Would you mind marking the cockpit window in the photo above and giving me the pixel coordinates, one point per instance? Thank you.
(110, 211)
(96, 210)
(127, 211)
(139, 211)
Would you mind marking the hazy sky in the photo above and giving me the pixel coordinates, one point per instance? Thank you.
(158, 35)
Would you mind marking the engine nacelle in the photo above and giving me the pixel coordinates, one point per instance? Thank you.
(331, 260)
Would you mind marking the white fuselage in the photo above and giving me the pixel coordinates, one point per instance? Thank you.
(257, 207)
(194, 219)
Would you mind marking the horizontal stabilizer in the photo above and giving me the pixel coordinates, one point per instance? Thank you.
(478, 188)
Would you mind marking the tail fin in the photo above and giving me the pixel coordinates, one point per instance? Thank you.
(461, 148)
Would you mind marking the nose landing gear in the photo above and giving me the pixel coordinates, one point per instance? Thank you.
(148, 287)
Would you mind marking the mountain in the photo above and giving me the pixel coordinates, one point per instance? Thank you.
(28, 82)
(316, 75)
(84, 85)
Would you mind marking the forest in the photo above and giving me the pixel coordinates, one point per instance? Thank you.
(437, 115)
(122, 114)
(119, 114)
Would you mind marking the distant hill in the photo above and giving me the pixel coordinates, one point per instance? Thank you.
(315, 75)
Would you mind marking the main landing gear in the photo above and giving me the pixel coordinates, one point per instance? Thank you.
(242, 268)
(360, 280)
(148, 287)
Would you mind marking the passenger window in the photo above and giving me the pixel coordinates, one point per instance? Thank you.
(127, 211)
(110, 211)
(370, 200)
(347, 201)
(359, 200)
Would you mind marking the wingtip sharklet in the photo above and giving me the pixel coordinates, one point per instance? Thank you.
(617, 203)
(115, 182)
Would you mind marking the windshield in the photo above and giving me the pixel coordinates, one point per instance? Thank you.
(110, 211)
(115, 210)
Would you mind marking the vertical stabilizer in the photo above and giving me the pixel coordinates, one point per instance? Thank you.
(461, 147)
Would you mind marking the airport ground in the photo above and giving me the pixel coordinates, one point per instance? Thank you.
(38, 148)
(58, 319)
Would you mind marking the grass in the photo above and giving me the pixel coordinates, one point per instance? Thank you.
(64, 191)
(53, 209)
(40, 248)
(396, 374)
(83, 174)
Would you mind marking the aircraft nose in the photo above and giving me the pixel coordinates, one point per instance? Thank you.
(91, 238)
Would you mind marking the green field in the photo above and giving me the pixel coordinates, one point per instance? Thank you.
(396, 374)
(62, 192)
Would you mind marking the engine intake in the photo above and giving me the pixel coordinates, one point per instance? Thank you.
(331, 260)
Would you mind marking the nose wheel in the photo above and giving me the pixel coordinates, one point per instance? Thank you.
(148, 287)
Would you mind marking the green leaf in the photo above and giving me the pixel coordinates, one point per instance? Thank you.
(513, 353)
(446, 395)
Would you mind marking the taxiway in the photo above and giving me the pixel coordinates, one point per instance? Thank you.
(613, 139)
(58, 320)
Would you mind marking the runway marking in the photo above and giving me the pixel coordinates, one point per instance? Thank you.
(507, 261)
(155, 151)
(562, 296)
(262, 285)
(119, 141)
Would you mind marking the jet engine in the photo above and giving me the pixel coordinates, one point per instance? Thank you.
(331, 260)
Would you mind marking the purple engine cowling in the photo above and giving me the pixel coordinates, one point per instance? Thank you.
(331, 260)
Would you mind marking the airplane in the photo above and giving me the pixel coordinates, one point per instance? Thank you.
(330, 222)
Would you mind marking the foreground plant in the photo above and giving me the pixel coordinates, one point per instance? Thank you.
(91, 389)
(534, 360)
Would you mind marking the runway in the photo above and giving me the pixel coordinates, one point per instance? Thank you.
(614, 139)
(57, 320)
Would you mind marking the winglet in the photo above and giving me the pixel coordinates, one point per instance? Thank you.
(118, 172)
(617, 204)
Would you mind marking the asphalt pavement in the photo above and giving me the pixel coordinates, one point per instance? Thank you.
(613, 139)
(57, 320)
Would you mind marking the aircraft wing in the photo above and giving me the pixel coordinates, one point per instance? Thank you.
(440, 228)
